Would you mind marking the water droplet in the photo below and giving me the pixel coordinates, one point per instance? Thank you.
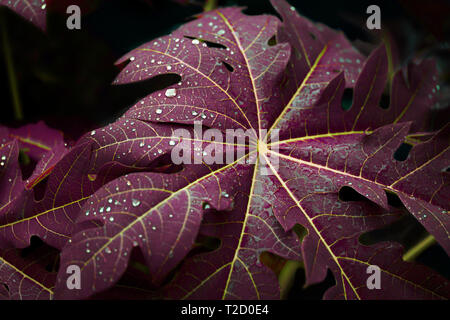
(195, 41)
(171, 93)
(158, 111)
(135, 202)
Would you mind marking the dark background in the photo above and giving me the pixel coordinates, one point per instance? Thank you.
(64, 76)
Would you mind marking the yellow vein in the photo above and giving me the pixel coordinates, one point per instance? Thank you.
(405, 109)
(395, 276)
(24, 275)
(367, 96)
(42, 213)
(166, 200)
(300, 88)
(311, 222)
(324, 135)
(238, 42)
(247, 214)
(206, 77)
(420, 167)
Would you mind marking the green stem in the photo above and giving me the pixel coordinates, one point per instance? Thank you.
(420, 247)
(18, 114)
(287, 276)
(210, 5)
(387, 42)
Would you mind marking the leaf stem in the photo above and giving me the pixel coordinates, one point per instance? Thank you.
(420, 247)
(18, 114)
(210, 5)
(287, 277)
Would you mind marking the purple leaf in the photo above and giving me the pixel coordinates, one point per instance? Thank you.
(32, 10)
(243, 98)
(241, 82)
(52, 218)
(317, 51)
(44, 145)
(11, 184)
(160, 213)
(366, 163)
(26, 278)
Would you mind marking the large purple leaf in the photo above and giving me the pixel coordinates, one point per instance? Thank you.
(32, 10)
(238, 84)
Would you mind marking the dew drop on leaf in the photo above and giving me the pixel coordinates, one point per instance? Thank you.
(171, 93)
(135, 202)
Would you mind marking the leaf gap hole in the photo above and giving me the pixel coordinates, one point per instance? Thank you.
(228, 66)
(347, 194)
(347, 99)
(384, 101)
(208, 43)
(272, 41)
(402, 152)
